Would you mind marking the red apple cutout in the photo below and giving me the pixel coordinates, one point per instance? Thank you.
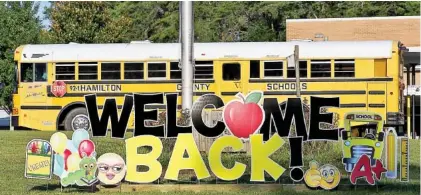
(245, 116)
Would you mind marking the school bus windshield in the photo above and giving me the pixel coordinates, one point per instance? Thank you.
(364, 131)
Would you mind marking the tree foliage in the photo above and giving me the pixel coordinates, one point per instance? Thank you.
(86, 22)
(245, 21)
(19, 26)
(111, 22)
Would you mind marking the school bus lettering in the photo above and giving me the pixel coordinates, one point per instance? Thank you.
(284, 86)
(95, 88)
(359, 116)
(197, 87)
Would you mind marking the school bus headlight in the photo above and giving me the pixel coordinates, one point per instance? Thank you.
(377, 144)
(347, 143)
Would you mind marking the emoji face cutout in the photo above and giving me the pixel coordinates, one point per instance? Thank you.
(326, 176)
(312, 176)
(111, 168)
(330, 177)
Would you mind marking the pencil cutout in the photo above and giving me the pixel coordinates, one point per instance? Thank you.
(391, 154)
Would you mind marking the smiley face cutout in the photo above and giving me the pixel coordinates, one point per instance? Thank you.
(326, 176)
(330, 177)
(111, 168)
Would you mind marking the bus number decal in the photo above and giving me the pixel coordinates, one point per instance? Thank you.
(89, 88)
(284, 86)
(197, 87)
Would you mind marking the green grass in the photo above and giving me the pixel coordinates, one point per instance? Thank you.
(12, 166)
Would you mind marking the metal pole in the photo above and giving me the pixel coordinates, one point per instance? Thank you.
(11, 128)
(187, 62)
(413, 118)
(297, 70)
(408, 102)
(413, 103)
(408, 115)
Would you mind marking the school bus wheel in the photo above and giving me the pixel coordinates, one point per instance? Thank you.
(77, 119)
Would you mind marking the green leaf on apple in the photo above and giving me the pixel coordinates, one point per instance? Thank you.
(254, 97)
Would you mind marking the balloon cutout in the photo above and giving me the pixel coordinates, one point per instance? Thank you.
(66, 155)
(78, 136)
(73, 162)
(58, 142)
(71, 147)
(58, 165)
(87, 147)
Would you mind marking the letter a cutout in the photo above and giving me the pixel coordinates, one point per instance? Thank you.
(362, 169)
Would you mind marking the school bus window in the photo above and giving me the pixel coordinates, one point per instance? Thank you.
(40, 72)
(65, 71)
(344, 68)
(88, 70)
(157, 70)
(320, 68)
(273, 69)
(303, 70)
(26, 72)
(175, 72)
(203, 70)
(254, 68)
(133, 70)
(110, 71)
(231, 72)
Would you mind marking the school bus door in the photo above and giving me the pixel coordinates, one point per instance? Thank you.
(33, 82)
(231, 76)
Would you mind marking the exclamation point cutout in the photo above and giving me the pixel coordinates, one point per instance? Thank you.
(296, 160)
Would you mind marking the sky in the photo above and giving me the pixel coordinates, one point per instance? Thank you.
(40, 14)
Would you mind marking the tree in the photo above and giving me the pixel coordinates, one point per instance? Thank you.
(87, 22)
(19, 26)
(244, 21)
(155, 21)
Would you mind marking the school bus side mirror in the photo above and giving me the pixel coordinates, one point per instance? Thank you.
(344, 135)
(381, 136)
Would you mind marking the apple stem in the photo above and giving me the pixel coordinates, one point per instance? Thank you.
(240, 95)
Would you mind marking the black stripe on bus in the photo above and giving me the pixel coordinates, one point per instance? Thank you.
(230, 93)
(352, 105)
(376, 105)
(121, 94)
(376, 92)
(344, 92)
(156, 106)
(136, 81)
(319, 80)
(40, 107)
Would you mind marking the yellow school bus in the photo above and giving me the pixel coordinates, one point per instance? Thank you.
(366, 75)
(367, 139)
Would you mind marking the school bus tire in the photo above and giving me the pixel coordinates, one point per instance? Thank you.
(75, 114)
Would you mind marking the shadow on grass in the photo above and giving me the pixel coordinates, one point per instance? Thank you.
(55, 187)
